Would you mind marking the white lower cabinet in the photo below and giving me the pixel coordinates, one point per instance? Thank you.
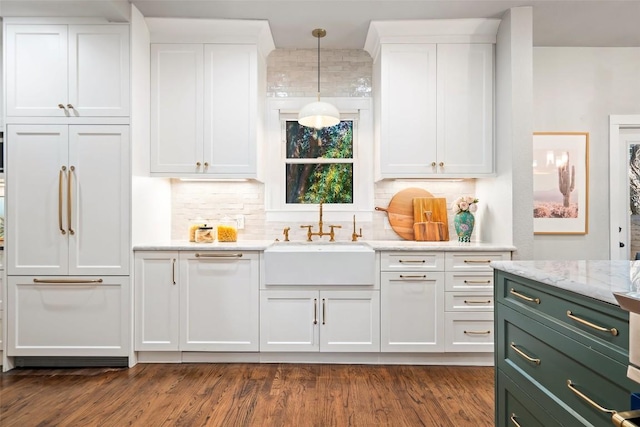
(326, 320)
(157, 301)
(197, 301)
(74, 316)
(411, 311)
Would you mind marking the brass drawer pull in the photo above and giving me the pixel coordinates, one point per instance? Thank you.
(477, 302)
(416, 277)
(477, 332)
(477, 261)
(412, 261)
(513, 418)
(68, 281)
(477, 282)
(315, 311)
(587, 399)
(173, 270)
(324, 312)
(524, 297)
(198, 255)
(612, 331)
(523, 354)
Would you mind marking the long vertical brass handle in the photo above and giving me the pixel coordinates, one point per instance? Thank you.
(70, 201)
(315, 311)
(513, 419)
(612, 331)
(60, 186)
(324, 311)
(523, 354)
(173, 270)
(524, 297)
(588, 399)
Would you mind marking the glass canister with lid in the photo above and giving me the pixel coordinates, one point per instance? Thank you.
(205, 234)
(228, 230)
(194, 224)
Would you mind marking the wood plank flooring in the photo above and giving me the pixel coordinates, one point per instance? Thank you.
(232, 395)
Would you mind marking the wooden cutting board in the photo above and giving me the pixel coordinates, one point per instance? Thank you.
(438, 208)
(428, 231)
(400, 211)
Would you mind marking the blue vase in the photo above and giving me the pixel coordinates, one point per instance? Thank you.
(464, 222)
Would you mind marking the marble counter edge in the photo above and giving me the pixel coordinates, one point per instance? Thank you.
(598, 279)
(378, 245)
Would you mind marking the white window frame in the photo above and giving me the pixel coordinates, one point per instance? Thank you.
(278, 111)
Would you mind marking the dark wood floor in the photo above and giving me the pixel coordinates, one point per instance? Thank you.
(248, 395)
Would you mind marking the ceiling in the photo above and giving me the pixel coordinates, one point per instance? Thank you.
(555, 22)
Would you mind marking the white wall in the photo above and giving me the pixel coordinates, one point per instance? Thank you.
(150, 197)
(506, 204)
(576, 89)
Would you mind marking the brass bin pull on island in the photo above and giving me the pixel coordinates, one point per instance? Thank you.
(587, 399)
(524, 297)
(612, 331)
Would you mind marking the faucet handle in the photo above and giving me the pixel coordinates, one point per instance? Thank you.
(286, 233)
(332, 233)
(308, 227)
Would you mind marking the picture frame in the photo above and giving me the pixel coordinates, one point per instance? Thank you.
(560, 182)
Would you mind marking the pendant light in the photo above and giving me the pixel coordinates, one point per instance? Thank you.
(319, 114)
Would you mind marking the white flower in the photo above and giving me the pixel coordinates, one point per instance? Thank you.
(465, 204)
(473, 207)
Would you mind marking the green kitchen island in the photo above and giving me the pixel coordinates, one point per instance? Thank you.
(562, 342)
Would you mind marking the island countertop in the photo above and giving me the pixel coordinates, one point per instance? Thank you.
(600, 280)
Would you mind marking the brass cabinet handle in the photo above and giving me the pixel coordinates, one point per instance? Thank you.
(70, 281)
(218, 255)
(173, 270)
(415, 277)
(61, 106)
(206, 164)
(315, 311)
(477, 261)
(324, 311)
(477, 282)
(513, 418)
(70, 200)
(70, 107)
(523, 354)
(524, 297)
(433, 164)
(441, 164)
(412, 261)
(612, 331)
(60, 177)
(477, 302)
(587, 399)
(477, 332)
(198, 164)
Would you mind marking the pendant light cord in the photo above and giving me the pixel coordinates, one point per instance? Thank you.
(318, 67)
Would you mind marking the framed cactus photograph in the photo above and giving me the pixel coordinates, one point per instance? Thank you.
(560, 182)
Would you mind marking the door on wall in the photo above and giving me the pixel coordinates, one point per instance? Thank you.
(625, 187)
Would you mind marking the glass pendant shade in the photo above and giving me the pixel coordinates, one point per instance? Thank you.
(319, 114)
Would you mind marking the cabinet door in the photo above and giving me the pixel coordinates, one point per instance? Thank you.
(230, 110)
(412, 312)
(465, 108)
(219, 301)
(36, 67)
(98, 70)
(350, 321)
(80, 317)
(99, 196)
(289, 321)
(177, 108)
(408, 110)
(37, 185)
(157, 301)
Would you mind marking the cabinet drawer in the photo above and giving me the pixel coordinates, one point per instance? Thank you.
(518, 406)
(469, 281)
(594, 323)
(412, 261)
(468, 332)
(473, 261)
(562, 368)
(467, 301)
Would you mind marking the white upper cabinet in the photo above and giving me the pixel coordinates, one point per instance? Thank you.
(207, 94)
(67, 70)
(433, 95)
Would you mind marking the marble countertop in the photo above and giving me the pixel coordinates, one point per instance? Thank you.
(378, 245)
(600, 280)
